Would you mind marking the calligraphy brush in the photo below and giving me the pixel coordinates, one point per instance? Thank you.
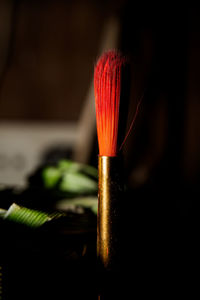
(111, 87)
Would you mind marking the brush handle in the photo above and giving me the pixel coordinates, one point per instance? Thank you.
(108, 220)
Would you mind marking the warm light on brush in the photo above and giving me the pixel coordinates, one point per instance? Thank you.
(108, 75)
(112, 88)
(107, 86)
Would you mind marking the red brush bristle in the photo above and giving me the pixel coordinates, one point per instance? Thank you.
(107, 87)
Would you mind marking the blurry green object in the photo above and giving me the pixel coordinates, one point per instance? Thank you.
(68, 165)
(71, 177)
(67, 186)
(77, 183)
(79, 202)
(26, 216)
(51, 176)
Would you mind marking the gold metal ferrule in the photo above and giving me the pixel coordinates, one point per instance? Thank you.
(108, 222)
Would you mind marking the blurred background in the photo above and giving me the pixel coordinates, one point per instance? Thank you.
(48, 50)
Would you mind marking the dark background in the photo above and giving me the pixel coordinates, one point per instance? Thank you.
(52, 52)
(49, 64)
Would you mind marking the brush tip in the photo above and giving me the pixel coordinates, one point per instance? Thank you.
(107, 86)
(109, 61)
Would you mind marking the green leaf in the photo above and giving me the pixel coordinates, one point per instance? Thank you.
(65, 165)
(71, 178)
(2, 212)
(70, 166)
(89, 170)
(77, 183)
(26, 216)
(51, 176)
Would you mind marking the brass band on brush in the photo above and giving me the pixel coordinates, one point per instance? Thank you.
(108, 223)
